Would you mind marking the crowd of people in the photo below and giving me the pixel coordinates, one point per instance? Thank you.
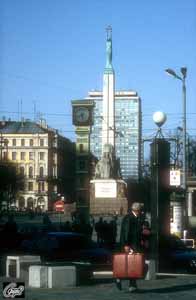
(104, 231)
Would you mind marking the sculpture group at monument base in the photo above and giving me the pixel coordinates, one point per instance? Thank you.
(108, 196)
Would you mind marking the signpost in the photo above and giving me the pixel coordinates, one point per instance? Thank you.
(175, 178)
(59, 206)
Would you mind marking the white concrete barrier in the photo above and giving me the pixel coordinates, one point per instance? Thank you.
(18, 260)
(61, 277)
(38, 276)
(51, 276)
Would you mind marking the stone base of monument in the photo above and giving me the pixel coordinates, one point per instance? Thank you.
(108, 196)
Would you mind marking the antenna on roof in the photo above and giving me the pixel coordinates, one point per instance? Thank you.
(18, 110)
(34, 110)
(21, 110)
(22, 118)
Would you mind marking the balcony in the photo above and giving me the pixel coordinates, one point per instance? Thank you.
(41, 193)
(53, 179)
(41, 178)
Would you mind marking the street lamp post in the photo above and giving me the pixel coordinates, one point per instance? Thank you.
(182, 78)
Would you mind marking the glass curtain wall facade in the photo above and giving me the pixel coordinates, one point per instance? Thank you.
(127, 131)
(128, 135)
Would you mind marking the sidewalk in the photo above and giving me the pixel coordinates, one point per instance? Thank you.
(165, 287)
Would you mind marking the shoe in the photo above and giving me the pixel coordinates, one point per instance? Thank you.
(132, 289)
(118, 284)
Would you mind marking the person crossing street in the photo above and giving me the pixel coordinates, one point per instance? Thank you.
(131, 238)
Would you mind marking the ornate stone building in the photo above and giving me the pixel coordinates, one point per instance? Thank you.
(44, 158)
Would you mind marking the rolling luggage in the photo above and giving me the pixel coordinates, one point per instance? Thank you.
(126, 265)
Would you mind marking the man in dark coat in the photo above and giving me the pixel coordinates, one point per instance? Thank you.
(131, 237)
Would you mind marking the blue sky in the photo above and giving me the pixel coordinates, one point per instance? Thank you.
(54, 51)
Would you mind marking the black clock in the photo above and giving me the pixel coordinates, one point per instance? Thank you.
(81, 115)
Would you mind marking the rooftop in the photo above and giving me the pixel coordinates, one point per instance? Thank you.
(18, 127)
(120, 94)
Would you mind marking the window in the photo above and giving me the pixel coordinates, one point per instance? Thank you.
(54, 158)
(14, 142)
(54, 171)
(41, 171)
(22, 171)
(30, 186)
(21, 202)
(41, 187)
(31, 155)
(41, 142)
(13, 155)
(31, 142)
(81, 182)
(5, 155)
(22, 155)
(81, 148)
(54, 143)
(6, 142)
(41, 155)
(31, 172)
(82, 165)
(23, 142)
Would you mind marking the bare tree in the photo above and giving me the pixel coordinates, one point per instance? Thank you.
(10, 182)
(191, 157)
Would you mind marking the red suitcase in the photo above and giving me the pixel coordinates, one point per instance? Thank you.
(127, 265)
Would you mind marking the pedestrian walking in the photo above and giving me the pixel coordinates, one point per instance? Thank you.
(99, 230)
(131, 237)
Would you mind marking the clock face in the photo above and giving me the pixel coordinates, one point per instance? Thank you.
(82, 114)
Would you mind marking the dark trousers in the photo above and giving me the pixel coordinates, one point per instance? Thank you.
(132, 282)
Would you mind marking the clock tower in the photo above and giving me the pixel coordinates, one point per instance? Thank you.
(82, 119)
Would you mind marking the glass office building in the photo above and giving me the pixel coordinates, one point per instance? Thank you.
(127, 129)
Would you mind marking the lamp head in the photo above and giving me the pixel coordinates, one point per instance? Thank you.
(184, 71)
(159, 118)
(171, 72)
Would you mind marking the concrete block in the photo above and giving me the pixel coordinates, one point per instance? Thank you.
(61, 277)
(18, 260)
(38, 276)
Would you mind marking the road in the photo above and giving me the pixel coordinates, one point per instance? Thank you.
(164, 287)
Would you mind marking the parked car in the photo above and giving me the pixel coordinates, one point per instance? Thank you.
(68, 246)
(175, 256)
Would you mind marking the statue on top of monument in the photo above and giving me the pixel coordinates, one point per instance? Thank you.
(109, 48)
(107, 167)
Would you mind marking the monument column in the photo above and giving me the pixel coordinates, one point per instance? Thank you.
(107, 189)
(108, 126)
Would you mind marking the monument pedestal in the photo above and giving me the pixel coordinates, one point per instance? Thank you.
(108, 196)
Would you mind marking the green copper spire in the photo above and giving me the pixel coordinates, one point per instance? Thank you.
(109, 68)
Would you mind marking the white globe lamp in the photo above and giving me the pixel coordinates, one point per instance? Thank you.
(159, 118)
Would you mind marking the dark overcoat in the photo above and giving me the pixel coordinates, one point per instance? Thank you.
(131, 232)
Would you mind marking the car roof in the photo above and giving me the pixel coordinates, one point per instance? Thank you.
(65, 234)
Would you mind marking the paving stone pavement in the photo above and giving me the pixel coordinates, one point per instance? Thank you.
(181, 288)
